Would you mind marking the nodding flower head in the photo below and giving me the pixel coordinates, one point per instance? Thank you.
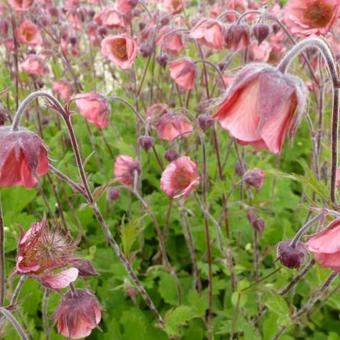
(183, 72)
(325, 245)
(125, 169)
(209, 32)
(78, 313)
(94, 107)
(23, 158)
(262, 106)
(171, 126)
(180, 178)
(237, 37)
(291, 256)
(46, 255)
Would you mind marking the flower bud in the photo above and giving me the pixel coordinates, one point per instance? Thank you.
(291, 256)
(205, 121)
(254, 178)
(162, 60)
(276, 28)
(113, 194)
(4, 28)
(146, 50)
(261, 32)
(171, 155)
(146, 142)
(257, 223)
(240, 168)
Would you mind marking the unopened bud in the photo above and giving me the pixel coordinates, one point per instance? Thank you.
(171, 155)
(254, 178)
(205, 121)
(261, 32)
(113, 194)
(146, 142)
(162, 60)
(291, 256)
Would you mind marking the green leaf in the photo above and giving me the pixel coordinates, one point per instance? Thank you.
(168, 288)
(176, 318)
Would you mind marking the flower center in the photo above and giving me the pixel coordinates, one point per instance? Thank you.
(119, 49)
(319, 14)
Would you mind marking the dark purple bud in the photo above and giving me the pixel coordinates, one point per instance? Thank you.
(254, 178)
(142, 25)
(113, 194)
(171, 155)
(146, 50)
(73, 40)
(146, 142)
(261, 32)
(240, 168)
(259, 225)
(165, 20)
(276, 28)
(53, 12)
(162, 60)
(84, 267)
(221, 65)
(291, 256)
(251, 216)
(102, 31)
(237, 35)
(205, 121)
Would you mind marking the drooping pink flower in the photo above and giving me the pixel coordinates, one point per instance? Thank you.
(63, 89)
(174, 6)
(111, 18)
(169, 40)
(171, 126)
(23, 158)
(180, 178)
(237, 37)
(325, 245)
(126, 6)
(156, 110)
(78, 313)
(45, 254)
(28, 33)
(120, 49)
(21, 5)
(310, 17)
(209, 32)
(262, 107)
(183, 72)
(94, 108)
(34, 65)
(337, 178)
(125, 169)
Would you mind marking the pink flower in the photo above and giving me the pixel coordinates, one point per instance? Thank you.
(125, 169)
(156, 110)
(78, 313)
(209, 32)
(170, 42)
(174, 6)
(110, 18)
(180, 178)
(23, 158)
(21, 5)
(183, 72)
(171, 126)
(120, 49)
(28, 33)
(259, 107)
(308, 17)
(126, 6)
(260, 52)
(325, 245)
(94, 108)
(63, 89)
(43, 254)
(34, 65)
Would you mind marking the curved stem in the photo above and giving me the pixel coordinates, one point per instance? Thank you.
(11, 318)
(129, 106)
(228, 11)
(214, 67)
(326, 53)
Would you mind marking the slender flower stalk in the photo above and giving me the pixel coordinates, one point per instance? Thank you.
(332, 68)
(2, 259)
(11, 318)
(87, 192)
